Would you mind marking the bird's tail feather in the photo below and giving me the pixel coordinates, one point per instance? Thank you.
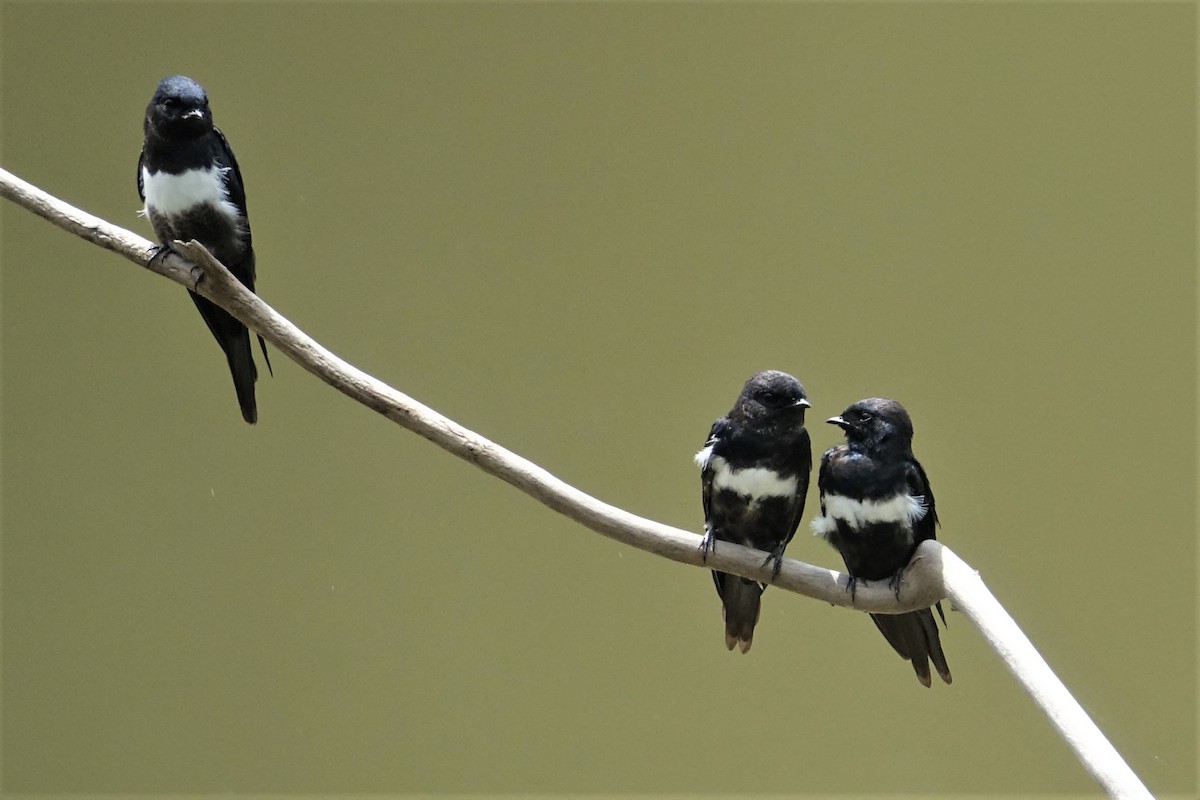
(271, 372)
(915, 637)
(741, 601)
(241, 367)
(235, 342)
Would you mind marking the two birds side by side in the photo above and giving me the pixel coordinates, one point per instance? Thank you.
(876, 503)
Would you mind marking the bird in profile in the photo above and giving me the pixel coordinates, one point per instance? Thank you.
(192, 188)
(876, 507)
(755, 469)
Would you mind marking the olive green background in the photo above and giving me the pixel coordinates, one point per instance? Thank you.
(577, 229)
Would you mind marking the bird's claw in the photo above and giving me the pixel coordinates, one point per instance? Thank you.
(158, 253)
(775, 555)
(197, 275)
(894, 582)
(707, 545)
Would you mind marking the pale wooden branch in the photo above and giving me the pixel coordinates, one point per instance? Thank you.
(934, 573)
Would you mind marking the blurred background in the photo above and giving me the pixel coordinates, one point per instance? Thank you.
(577, 229)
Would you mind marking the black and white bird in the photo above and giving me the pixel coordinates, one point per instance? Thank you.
(755, 468)
(192, 189)
(876, 507)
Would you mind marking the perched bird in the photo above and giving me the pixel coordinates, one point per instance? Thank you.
(192, 189)
(876, 507)
(754, 474)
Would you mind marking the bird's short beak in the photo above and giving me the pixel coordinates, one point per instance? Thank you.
(841, 423)
(803, 403)
(195, 112)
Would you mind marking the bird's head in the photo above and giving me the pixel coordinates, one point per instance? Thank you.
(876, 422)
(773, 396)
(179, 109)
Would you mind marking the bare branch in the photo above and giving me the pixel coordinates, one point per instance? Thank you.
(969, 595)
(934, 573)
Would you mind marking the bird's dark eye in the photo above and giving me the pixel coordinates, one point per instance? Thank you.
(864, 416)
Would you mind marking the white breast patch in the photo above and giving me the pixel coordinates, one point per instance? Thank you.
(171, 194)
(752, 482)
(900, 508)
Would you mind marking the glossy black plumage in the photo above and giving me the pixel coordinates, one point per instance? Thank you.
(755, 470)
(192, 188)
(876, 507)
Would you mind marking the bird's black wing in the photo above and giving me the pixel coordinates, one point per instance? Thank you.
(824, 476)
(802, 481)
(141, 188)
(719, 429)
(233, 179)
(926, 528)
(918, 486)
(246, 272)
